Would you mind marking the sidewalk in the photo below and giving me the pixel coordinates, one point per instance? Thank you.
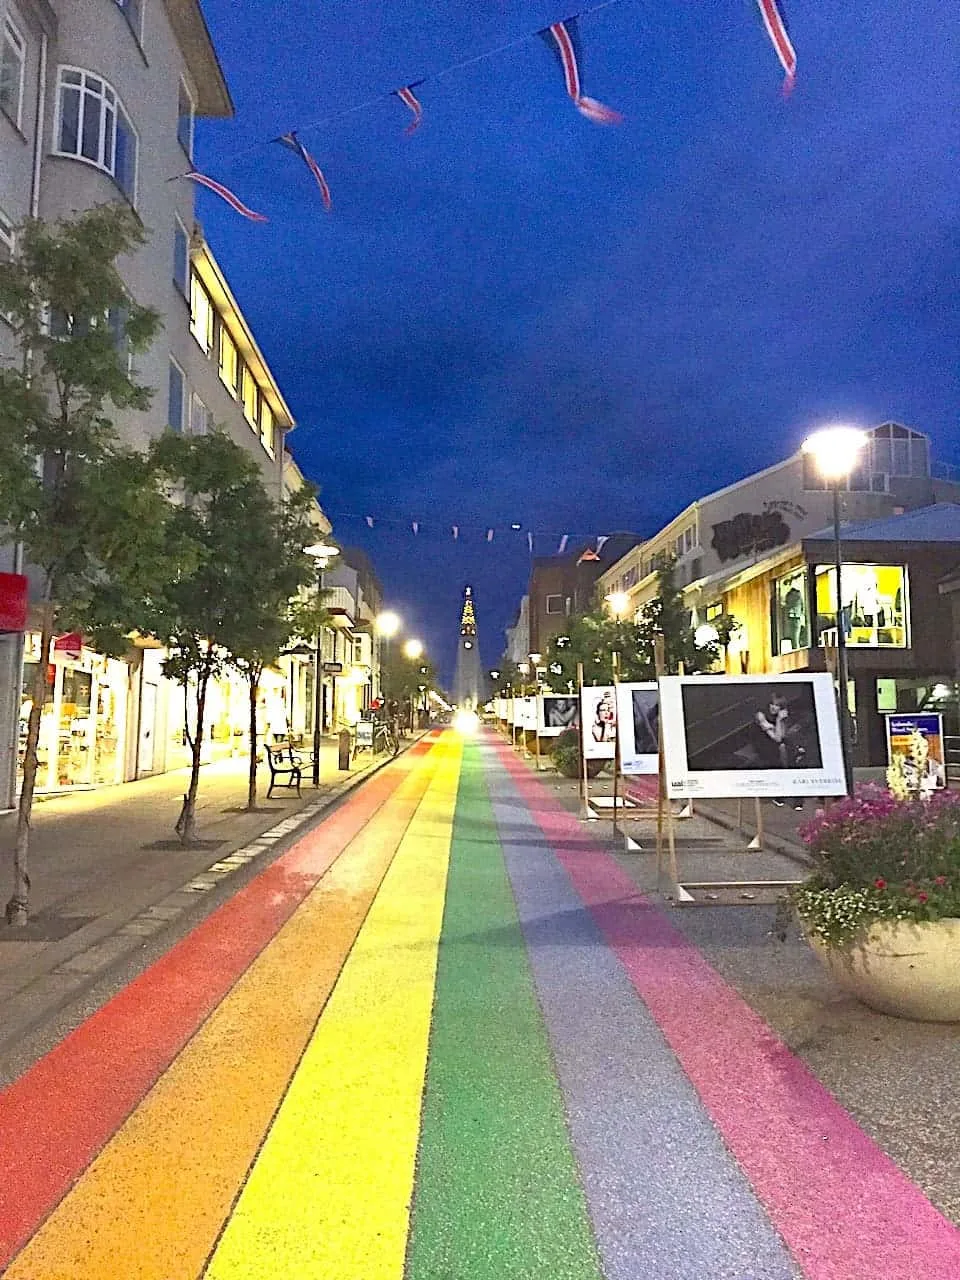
(107, 871)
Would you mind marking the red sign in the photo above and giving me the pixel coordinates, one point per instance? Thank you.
(68, 646)
(13, 602)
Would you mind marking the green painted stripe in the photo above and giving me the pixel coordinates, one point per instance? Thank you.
(497, 1192)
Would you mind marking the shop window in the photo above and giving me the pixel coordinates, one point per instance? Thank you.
(874, 607)
(791, 612)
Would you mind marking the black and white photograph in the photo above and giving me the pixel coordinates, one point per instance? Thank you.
(751, 736)
(558, 712)
(598, 719)
(638, 708)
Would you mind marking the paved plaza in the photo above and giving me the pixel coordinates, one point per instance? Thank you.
(446, 1030)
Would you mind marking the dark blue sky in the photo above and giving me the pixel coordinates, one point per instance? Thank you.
(517, 315)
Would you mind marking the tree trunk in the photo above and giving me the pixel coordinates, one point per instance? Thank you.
(186, 827)
(253, 683)
(17, 909)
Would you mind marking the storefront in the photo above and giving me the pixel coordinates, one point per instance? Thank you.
(83, 725)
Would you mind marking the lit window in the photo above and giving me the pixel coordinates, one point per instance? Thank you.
(267, 426)
(93, 126)
(131, 11)
(181, 262)
(201, 314)
(229, 366)
(249, 397)
(874, 611)
(185, 120)
(201, 419)
(175, 398)
(13, 57)
(791, 615)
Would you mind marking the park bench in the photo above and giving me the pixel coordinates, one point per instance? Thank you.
(289, 768)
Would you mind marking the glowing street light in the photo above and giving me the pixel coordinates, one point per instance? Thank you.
(836, 453)
(387, 624)
(619, 603)
(413, 650)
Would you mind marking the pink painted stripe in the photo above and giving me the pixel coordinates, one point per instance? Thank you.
(843, 1207)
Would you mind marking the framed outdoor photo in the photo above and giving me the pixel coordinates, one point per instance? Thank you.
(558, 712)
(775, 736)
(638, 719)
(598, 722)
(528, 713)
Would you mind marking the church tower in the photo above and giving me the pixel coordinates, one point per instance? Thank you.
(467, 681)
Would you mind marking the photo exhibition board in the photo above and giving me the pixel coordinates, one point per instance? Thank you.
(598, 721)
(776, 736)
(557, 713)
(638, 713)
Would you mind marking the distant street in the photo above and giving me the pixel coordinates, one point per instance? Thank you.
(447, 1035)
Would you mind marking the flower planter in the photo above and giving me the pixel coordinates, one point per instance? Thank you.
(906, 968)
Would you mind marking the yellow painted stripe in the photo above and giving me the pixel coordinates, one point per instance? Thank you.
(329, 1196)
(153, 1202)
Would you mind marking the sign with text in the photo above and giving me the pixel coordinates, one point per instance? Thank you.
(900, 729)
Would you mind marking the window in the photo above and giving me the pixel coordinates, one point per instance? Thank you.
(93, 126)
(185, 120)
(131, 10)
(202, 315)
(181, 263)
(7, 238)
(249, 396)
(791, 612)
(201, 419)
(713, 610)
(554, 604)
(13, 57)
(874, 608)
(688, 538)
(267, 427)
(229, 364)
(175, 398)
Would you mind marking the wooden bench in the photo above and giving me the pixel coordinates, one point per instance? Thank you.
(288, 768)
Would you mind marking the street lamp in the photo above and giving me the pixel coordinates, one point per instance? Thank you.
(413, 650)
(619, 603)
(836, 452)
(386, 625)
(323, 553)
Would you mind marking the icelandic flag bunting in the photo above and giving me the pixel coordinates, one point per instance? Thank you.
(369, 520)
(415, 526)
(293, 142)
(563, 544)
(489, 535)
(530, 542)
(409, 99)
(456, 532)
(564, 39)
(604, 537)
(225, 194)
(780, 37)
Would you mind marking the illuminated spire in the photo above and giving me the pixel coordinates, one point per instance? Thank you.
(468, 623)
(468, 681)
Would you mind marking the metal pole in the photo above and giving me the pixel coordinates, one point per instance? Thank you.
(842, 675)
(615, 663)
(317, 665)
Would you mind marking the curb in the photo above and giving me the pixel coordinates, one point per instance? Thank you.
(93, 958)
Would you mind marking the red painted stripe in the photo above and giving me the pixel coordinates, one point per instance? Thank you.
(58, 1115)
(841, 1204)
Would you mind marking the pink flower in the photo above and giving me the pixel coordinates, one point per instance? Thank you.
(940, 881)
(879, 883)
(922, 897)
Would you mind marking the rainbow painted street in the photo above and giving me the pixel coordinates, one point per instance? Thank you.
(443, 1037)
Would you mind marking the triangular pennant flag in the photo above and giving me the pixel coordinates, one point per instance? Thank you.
(587, 554)
(409, 99)
(415, 526)
(293, 142)
(530, 542)
(605, 537)
(369, 522)
(456, 532)
(779, 35)
(563, 544)
(224, 193)
(564, 39)
(489, 535)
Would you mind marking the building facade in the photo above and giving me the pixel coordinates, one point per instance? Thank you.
(762, 551)
(560, 586)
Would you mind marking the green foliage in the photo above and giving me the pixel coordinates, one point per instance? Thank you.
(565, 753)
(87, 514)
(593, 638)
(878, 857)
(401, 677)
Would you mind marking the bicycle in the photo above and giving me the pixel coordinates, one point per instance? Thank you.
(385, 738)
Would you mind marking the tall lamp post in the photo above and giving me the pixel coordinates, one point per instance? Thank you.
(387, 625)
(323, 553)
(836, 452)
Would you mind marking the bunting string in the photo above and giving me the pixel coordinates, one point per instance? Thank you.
(563, 37)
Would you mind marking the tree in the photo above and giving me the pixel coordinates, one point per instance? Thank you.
(592, 639)
(404, 680)
(83, 506)
(208, 610)
(270, 608)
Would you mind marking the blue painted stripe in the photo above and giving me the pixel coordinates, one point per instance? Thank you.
(667, 1200)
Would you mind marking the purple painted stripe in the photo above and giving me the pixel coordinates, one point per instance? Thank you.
(667, 1200)
(842, 1205)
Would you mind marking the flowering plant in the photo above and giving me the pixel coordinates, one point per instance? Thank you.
(880, 856)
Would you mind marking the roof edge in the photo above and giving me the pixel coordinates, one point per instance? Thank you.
(199, 52)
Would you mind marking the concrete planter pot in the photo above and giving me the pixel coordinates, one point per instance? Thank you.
(905, 968)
